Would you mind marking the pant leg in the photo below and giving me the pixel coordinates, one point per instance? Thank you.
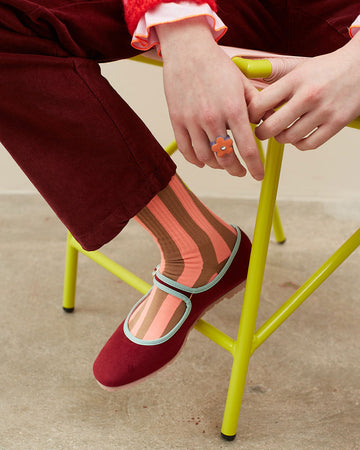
(294, 27)
(320, 26)
(86, 151)
(256, 24)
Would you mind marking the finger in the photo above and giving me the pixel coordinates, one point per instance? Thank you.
(185, 147)
(300, 129)
(228, 161)
(322, 134)
(246, 144)
(269, 98)
(251, 92)
(201, 145)
(251, 95)
(232, 165)
(281, 119)
(268, 114)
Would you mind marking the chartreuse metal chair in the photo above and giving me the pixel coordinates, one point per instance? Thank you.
(248, 339)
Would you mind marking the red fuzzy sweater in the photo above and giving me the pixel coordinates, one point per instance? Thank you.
(135, 9)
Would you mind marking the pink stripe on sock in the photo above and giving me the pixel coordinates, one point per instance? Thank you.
(221, 249)
(186, 245)
(162, 318)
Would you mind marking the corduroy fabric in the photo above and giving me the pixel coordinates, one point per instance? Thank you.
(90, 156)
(293, 27)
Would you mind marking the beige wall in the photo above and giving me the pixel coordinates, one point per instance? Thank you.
(331, 172)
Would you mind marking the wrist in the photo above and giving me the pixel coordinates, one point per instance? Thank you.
(184, 36)
(352, 49)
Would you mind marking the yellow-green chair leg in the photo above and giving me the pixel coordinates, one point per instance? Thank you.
(245, 336)
(70, 275)
(306, 289)
(276, 223)
(277, 227)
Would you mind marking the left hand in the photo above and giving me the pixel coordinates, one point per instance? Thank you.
(321, 97)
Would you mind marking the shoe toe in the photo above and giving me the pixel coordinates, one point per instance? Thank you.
(122, 362)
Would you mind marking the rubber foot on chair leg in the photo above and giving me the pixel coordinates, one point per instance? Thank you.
(282, 242)
(228, 438)
(68, 310)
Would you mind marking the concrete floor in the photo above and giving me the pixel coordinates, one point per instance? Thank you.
(303, 387)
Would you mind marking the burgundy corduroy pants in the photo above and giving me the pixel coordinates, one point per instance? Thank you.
(89, 155)
(85, 150)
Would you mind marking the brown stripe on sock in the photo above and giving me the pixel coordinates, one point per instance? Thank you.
(136, 314)
(175, 318)
(226, 231)
(199, 236)
(169, 248)
(156, 303)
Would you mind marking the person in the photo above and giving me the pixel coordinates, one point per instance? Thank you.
(98, 166)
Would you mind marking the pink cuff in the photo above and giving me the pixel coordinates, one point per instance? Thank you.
(145, 36)
(355, 26)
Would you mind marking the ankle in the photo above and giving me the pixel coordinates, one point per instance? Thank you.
(198, 266)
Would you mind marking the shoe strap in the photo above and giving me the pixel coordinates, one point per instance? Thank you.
(181, 288)
(175, 291)
(172, 291)
(181, 292)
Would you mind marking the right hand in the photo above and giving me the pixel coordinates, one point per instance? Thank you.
(206, 96)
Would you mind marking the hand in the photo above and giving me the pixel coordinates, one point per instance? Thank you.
(321, 96)
(206, 95)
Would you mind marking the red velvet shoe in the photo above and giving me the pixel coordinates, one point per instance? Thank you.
(125, 359)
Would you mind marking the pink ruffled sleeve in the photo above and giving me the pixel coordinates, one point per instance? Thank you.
(354, 27)
(145, 36)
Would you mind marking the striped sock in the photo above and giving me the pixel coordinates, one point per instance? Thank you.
(194, 244)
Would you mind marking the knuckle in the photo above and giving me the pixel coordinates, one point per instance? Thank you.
(233, 111)
(288, 137)
(226, 163)
(314, 94)
(185, 151)
(327, 111)
(254, 116)
(205, 158)
(209, 118)
(176, 116)
(254, 105)
(249, 153)
(306, 145)
(188, 157)
(338, 122)
(270, 127)
(283, 138)
(260, 133)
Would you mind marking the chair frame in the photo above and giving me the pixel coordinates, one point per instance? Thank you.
(248, 339)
